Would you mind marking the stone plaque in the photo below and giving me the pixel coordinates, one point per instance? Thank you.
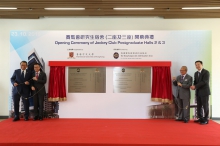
(132, 80)
(86, 80)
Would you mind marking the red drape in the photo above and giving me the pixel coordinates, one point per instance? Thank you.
(57, 85)
(161, 86)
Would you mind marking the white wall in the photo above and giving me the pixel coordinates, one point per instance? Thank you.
(107, 23)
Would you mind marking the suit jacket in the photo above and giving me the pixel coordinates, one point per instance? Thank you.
(16, 78)
(201, 83)
(39, 84)
(184, 91)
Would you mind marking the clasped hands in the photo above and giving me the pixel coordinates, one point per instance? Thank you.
(192, 87)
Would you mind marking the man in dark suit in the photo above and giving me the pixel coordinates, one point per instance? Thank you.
(39, 91)
(21, 82)
(201, 85)
(183, 83)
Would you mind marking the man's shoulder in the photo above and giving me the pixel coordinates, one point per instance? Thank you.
(179, 76)
(42, 72)
(205, 70)
(17, 70)
(187, 75)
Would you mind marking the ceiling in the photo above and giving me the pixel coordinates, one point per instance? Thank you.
(167, 9)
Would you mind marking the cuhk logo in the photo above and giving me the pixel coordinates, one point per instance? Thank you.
(116, 55)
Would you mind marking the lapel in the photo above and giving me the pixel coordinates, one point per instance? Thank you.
(39, 74)
(197, 76)
(179, 79)
(19, 73)
(186, 77)
(200, 76)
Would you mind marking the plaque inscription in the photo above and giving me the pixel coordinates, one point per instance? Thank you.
(86, 80)
(132, 80)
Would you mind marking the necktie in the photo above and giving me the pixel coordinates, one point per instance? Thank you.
(37, 75)
(22, 74)
(182, 77)
(199, 73)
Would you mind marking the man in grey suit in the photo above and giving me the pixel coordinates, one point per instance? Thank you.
(183, 83)
(201, 85)
(39, 91)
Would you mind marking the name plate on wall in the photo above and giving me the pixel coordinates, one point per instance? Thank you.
(132, 80)
(86, 80)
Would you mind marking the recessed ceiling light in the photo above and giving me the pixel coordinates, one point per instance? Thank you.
(64, 8)
(5, 8)
(133, 8)
(200, 8)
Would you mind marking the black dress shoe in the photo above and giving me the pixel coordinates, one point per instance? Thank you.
(186, 121)
(40, 118)
(35, 118)
(198, 121)
(16, 119)
(26, 119)
(204, 122)
(179, 119)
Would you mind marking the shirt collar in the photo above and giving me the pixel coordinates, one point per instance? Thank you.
(23, 70)
(200, 70)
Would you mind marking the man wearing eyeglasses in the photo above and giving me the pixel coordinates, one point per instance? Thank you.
(39, 91)
(183, 83)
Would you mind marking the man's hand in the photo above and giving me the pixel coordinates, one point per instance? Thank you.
(26, 83)
(33, 88)
(192, 87)
(174, 78)
(179, 84)
(34, 78)
(15, 84)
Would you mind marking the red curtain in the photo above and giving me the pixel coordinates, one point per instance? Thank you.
(162, 86)
(57, 85)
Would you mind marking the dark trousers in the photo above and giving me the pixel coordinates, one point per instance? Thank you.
(203, 103)
(183, 108)
(16, 98)
(176, 106)
(38, 105)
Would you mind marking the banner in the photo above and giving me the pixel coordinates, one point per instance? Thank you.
(182, 48)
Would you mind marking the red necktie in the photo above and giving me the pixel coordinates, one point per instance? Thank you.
(37, 75)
